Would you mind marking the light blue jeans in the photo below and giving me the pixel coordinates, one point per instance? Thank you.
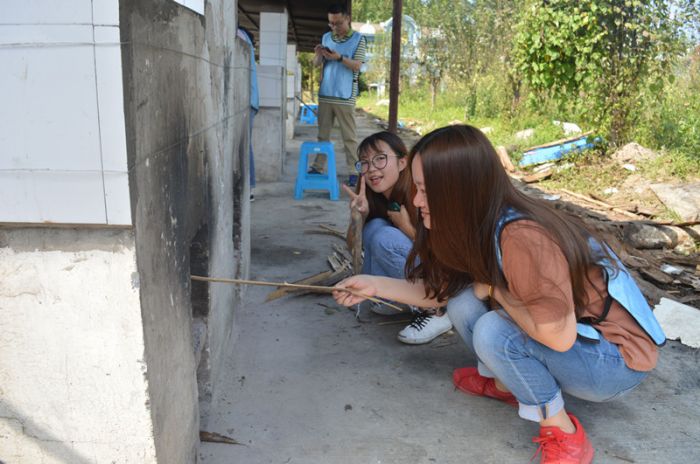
(386, 249)
(535, 374)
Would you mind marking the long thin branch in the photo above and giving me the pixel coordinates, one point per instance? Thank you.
(601, 204)
(317, 288)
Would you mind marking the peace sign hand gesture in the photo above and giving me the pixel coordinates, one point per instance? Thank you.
(358, 201)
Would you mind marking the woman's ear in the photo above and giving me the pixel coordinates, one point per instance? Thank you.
(403, 162)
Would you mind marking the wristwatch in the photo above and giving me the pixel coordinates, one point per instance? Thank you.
(340, 60)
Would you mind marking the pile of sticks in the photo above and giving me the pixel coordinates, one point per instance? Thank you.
(340, 262)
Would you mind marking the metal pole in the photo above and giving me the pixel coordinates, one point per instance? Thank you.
(395, 65)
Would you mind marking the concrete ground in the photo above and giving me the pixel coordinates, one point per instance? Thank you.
(307, 382)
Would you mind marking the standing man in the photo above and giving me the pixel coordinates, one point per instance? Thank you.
(341, 53)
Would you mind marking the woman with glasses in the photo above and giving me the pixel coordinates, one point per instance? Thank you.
(383, 198)
(542, 302)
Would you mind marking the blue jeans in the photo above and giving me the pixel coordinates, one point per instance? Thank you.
(535, 374)
(386, 249)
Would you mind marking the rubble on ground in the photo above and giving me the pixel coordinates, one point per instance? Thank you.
(634, 152)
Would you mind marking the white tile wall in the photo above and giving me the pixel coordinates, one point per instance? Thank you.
(105, 12)
(290, 86)
(194, 5)
(49, 118)
(62, 119)
(270, 21)
(110, 99)
(52, 197)
(117, 197)
(44, 35)
(270, 82)
(291, 56)
(46, 12)
(273, 38)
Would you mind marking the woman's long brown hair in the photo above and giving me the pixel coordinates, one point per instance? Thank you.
(402, 192)
(467, 189)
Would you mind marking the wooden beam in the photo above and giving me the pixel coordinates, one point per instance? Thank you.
(250, 18)
(395, 65)
(291, 19)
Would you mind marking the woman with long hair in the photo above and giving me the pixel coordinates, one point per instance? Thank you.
(383, 197)
(566, 317)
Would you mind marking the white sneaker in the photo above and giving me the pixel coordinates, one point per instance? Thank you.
(425, 328)
(384, 310)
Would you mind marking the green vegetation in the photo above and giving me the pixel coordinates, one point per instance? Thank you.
(628, 70)
(450, 109)
(597, 57)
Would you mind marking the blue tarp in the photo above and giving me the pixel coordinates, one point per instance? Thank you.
(555, 152)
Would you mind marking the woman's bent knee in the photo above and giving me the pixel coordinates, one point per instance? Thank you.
(494, 333)
(464, 309)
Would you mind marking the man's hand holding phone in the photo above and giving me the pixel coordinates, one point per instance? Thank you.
(326, 52)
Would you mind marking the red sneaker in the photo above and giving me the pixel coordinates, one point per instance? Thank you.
(468, 380)
(559, 447)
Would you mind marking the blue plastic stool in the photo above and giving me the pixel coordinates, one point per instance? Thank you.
(308, 114)
(306, 181)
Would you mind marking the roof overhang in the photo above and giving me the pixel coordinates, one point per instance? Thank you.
(308, 19)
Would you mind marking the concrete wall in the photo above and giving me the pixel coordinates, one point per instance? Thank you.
(269, 130)
(62, 143)
(292, 79)
(186, 125)
(71, 335)
(99, 361)
(73, 373)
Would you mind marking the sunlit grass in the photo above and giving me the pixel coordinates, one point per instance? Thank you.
(590, 172)
(415, 113)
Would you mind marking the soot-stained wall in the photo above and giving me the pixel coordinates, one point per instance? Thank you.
(186, 114)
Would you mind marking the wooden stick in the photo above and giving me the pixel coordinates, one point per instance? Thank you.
(316, 288)
(532, 178)
(213, 437)
(600, 203)
(651, 222)
(322, 277)
(505, 159)
(333, 231)
(356, 251)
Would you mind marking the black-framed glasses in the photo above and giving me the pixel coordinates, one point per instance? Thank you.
(379, 161)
